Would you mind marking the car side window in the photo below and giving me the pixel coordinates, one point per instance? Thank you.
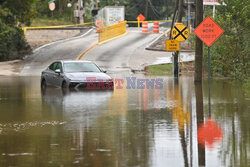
(59, 66)
(53, 66)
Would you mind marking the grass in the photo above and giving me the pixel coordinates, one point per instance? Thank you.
(166, 69)
(161, 69)
(50, 22)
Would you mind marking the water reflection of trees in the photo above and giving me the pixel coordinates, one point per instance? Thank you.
(116, 133)
(231, 107)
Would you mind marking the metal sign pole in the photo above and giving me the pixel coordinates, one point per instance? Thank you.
(208, 50)
(209, 99)
(179, 62)
(213, 11)
(139, 22)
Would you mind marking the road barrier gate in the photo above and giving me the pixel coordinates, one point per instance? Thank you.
(112, 31)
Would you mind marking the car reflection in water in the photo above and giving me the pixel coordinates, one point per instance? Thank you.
(77, 106)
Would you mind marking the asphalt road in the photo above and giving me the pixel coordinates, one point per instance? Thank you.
(64, 49)
(114, 55)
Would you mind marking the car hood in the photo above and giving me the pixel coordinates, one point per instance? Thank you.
(80, 76)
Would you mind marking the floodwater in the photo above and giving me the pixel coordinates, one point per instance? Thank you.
(170, 126)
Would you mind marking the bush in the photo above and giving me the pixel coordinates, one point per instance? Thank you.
(12, 43)
(230, 54)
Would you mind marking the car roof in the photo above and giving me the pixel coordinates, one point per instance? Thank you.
(74, 61)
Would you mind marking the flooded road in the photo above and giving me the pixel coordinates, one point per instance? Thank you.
(172, 125)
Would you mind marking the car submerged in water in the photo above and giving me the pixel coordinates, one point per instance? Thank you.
(76, 74)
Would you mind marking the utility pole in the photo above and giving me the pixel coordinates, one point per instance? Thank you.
(180, 11)
(177, 54)
(189, 15)
(75, 11)
(79, 11)
(174, 17)
(198, 43)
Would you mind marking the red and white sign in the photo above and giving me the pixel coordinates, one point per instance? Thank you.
(141, 17)
(211, 2)
(208, 31)
(52, 6)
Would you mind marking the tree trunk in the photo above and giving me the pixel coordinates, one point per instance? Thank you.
(180, 11)
(198, 44)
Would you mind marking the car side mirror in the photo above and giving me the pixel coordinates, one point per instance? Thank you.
(58, 71)
(104, 71)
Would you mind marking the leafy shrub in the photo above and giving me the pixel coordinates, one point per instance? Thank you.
(12, 43)
(230, 54)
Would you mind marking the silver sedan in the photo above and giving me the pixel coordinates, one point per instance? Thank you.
(76, 74)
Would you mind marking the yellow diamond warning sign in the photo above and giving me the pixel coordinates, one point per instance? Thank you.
(180, 32)
(172, 45)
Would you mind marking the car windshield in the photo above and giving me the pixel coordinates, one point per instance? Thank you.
(80, 67)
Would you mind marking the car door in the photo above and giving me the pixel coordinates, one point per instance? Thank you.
(58, 78)
(51, 74)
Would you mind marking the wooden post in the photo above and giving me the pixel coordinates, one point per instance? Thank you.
(198, 43)
(177, 54)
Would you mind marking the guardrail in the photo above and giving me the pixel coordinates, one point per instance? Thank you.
(52, 27)
(150, 21)
(112, 31)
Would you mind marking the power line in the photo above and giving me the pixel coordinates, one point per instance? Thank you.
(157, 14)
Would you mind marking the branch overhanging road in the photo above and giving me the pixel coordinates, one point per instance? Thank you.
(115, 55)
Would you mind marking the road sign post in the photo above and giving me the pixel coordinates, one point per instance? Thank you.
(208, 32)
(140, 18)
(139, 22)
(179, 33)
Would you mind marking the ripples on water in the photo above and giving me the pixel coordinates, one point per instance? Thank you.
(123, 128)
(5, 128)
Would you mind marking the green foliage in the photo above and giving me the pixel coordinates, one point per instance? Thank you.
(12, 41)
(61, 11)
(230, 54)
(159, 9)
(17, 11)
(36, 22)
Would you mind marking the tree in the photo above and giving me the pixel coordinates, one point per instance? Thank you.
(61, 10)
(154, 10)
(13, 13)
(17, 11)
(230, 54)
